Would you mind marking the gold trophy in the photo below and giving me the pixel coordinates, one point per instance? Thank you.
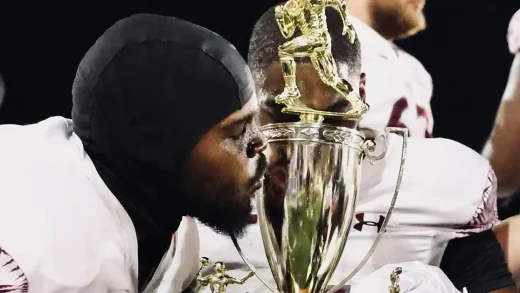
(315, 43)
(305, 222)
(219, 280)
(394, 280)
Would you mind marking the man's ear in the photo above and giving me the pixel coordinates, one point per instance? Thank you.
(362, 84)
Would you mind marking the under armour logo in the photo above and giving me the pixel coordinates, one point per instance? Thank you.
(361, 222)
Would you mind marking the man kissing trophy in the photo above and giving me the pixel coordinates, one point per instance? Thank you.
(304, 228)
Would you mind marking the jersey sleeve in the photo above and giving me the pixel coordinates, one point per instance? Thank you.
(513, 34)
(476, 262)
(45, 233)
(12, 278)
(486, 215)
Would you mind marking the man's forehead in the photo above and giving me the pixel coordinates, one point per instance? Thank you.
(248, 110)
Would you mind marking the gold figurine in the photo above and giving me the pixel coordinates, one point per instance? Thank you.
(219, 280)
(315, 43)
(201, 282)
(394, 280)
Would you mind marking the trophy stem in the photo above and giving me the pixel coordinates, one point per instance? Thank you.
(404, 133)
(311, 118)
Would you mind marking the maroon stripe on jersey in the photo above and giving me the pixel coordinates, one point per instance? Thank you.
(513, 33)
(486, 215)
(12, 278)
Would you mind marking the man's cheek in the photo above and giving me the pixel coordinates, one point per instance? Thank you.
(264, 119)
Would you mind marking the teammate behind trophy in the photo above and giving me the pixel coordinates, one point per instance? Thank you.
(447, 202)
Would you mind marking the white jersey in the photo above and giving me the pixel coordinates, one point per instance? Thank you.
(398, 87)
(513, 33)
(61, 229)
(448, 191)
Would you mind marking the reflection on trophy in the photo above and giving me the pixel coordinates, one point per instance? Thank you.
(307, 204)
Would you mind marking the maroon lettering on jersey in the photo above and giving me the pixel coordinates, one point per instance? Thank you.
(12, 278)
(397, 111)
(421, 112)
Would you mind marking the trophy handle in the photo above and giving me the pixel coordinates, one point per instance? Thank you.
(369, 148)
(250, 265)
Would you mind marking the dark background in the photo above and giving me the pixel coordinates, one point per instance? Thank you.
(464, 49)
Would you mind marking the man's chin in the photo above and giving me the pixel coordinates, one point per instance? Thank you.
(411, 32)
(228, 223)
(237, 230)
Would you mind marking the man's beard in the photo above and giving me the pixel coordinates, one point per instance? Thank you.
(225, 209)
(227, 217)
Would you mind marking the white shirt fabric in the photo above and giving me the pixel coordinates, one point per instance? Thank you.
(61, 229)
(416, 277)
(398, 87)
(448, 191)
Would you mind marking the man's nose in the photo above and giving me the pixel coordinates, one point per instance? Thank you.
(262, 141)
(262, 145)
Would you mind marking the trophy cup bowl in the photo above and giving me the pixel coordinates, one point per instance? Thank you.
(305, 222)
(307, 203)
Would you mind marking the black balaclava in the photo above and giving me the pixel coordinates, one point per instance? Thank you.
(143, 96)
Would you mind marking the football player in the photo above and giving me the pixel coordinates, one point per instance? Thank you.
(162, 127)
(446, 205)
(399, 88)
(503, 147)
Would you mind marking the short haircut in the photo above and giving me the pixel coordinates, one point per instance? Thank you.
(266, 38)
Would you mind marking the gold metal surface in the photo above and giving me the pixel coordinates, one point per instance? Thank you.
(218, 280)
(307, 203)
(315, 43)
(305, 225)
(304, 230)
(394, 280)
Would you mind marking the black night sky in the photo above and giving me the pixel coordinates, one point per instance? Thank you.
(464, 49)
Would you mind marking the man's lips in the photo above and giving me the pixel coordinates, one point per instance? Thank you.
(258, 185)
(253, 218)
